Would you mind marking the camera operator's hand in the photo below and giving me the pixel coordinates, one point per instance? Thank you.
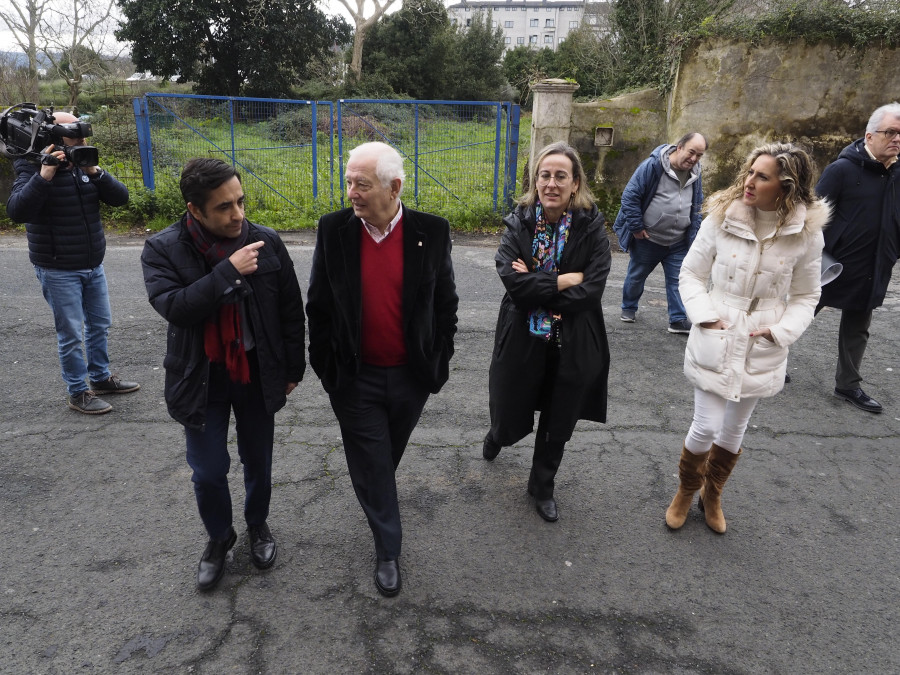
(244, 259)
(48, 171)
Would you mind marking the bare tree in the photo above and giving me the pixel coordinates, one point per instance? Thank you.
(23, 21)
(362, 24)
(75, 34)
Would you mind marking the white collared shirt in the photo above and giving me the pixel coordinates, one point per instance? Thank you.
(376, 234)
(888, 165)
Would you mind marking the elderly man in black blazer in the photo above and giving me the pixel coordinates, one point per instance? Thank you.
(381, 310)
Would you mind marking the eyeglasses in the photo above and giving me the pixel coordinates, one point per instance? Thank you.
(561, 177)
(889, 134)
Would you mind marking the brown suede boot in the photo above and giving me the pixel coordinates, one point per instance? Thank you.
(718, 468)
(691, 470)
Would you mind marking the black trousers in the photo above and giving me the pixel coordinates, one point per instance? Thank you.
(853, 336)
(207, 450)
(377, 413)
(548, 454)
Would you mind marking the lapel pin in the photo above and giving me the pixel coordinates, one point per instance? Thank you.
(420, 243)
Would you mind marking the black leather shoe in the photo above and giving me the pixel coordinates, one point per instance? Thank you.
(262, 546)
(212, 563)
(859, 398)
(387, 577)
(114, 385)
(547, 509)
(490, 450)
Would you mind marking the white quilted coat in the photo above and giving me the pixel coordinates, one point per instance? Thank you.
(731, 275)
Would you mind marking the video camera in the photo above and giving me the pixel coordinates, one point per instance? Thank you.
(25, 131)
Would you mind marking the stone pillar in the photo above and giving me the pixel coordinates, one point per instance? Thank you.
(551, 115)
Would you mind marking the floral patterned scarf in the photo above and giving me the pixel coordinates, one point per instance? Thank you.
(546, 253)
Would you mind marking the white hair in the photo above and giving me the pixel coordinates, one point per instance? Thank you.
(388, 162)
(878, 116)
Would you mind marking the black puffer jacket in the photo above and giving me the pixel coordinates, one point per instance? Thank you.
(62, 216)
(186, 292)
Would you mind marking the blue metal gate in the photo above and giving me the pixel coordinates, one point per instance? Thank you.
(291, 155)
(460, 151)
(282, 148)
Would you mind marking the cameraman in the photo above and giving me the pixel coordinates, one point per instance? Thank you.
(60, 206)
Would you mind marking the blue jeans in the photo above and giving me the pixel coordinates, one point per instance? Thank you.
(645, 256)
(79, 300)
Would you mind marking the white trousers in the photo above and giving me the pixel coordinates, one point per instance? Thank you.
(718, 420)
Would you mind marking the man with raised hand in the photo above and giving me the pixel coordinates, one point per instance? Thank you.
(236, 336)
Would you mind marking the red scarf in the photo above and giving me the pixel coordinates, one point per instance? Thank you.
(223, 337)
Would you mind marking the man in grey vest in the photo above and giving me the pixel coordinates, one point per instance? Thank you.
(658, 220)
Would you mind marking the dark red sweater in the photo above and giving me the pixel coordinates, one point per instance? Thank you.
(382, 298)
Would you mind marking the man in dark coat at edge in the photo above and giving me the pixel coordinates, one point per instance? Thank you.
(863, 185)
(60, 206)
(235, 341)
(382, 315)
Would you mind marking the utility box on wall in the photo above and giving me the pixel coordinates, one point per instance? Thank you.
(603, 136)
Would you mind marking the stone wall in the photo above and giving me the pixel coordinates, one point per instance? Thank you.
(739, 96)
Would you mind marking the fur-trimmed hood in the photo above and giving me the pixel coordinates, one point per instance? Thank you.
(810, 219)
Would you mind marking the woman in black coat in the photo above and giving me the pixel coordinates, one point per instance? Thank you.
(550, 348)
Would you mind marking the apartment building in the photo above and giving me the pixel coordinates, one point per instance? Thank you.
(536, 23)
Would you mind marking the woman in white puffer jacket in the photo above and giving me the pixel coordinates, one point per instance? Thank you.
(750, 284)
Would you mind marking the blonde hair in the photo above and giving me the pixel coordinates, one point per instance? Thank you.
(795, 174)
(582, 199)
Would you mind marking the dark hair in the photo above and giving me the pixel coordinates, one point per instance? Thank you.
(688, 136)
(203, 175)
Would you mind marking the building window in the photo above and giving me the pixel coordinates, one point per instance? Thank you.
(534, 23)
(548, 39)
(532, 39)
(467, 9)
(549, 9)
(549, 23)
(515, 9)
(573, 24)
(520, 41)
(507, 40)
(509, 24)
(468, 22)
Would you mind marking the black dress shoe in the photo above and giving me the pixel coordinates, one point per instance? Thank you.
(490, 450)
(262, 546)
(212, 562)
(859, 398)
(547, 509)
(387, 577)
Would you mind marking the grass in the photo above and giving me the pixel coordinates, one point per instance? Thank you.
(450, 172)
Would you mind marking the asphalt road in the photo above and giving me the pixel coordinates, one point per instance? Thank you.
(101, 537)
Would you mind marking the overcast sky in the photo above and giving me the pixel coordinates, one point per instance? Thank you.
(8, 43)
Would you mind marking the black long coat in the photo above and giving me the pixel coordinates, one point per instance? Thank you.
(185, 291)
(518, 361)
(864, 231)
(334, 299)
